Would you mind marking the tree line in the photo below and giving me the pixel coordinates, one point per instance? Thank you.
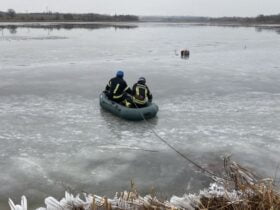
(261, 19)
(11, 15)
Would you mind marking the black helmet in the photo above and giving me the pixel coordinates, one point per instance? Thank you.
(142, 80)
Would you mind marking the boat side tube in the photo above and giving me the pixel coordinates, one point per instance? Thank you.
(134, 114)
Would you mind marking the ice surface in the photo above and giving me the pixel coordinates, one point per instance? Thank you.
(54, 136)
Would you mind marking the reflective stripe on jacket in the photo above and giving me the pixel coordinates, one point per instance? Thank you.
(140, 94)
(117, 87)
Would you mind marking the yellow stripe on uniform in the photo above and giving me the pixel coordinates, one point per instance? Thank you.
(138, 101)
(135, 100)
(116, 88)
(126, 88)
(116, 97)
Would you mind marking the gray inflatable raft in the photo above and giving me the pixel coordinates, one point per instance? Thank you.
(135, 114)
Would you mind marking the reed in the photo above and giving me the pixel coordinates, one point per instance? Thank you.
(251, 191)
(240, 189)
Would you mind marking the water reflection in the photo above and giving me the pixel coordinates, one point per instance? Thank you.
(185, 57)
(12, 28)
(258, 28)
(271, 28)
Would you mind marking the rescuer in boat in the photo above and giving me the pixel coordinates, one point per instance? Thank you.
(141, 94)
(117, 90)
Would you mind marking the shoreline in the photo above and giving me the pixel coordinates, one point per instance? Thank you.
(237, 189)
(139, 22)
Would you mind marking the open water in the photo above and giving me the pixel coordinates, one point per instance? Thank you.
(224, 99)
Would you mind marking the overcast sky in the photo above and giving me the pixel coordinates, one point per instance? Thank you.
(149, 7)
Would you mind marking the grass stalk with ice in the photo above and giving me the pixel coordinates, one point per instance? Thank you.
(240, 191)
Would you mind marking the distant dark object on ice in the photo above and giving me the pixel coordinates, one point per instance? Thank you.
(185, 53)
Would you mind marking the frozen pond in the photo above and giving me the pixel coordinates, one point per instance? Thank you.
(224, 99)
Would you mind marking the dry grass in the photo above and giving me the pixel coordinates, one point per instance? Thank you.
(239, 190)
(250, 193)
(253, 193)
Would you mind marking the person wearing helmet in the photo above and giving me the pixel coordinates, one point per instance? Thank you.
(117, 89)
(141, 94)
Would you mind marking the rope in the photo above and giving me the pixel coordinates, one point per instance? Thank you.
(213, 176)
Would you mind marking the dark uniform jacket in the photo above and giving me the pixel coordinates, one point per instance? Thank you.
(141, 94)
(117, 88)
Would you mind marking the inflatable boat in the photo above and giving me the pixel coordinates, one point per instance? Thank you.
(135, 114)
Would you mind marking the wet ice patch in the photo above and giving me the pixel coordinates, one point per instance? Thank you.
(29, 166)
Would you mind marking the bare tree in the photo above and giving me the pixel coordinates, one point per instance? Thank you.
(11, 13)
